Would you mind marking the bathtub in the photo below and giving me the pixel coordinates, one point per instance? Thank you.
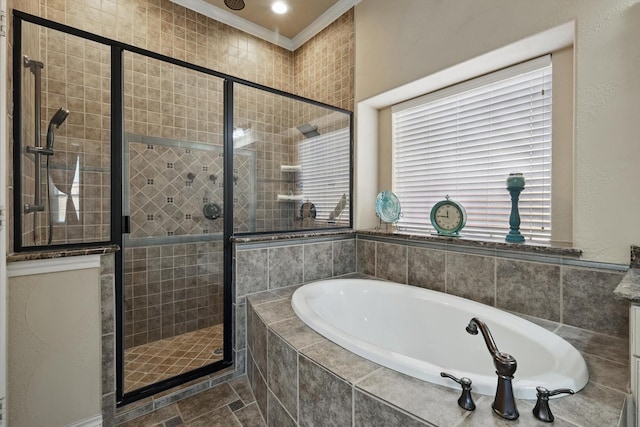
(421, 333)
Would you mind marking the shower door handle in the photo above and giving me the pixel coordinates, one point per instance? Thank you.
(126, 224)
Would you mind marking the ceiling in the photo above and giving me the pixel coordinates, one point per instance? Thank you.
(304, 19)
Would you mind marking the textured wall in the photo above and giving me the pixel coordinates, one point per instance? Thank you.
(54, 341)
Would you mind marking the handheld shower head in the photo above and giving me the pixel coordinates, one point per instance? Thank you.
(58, 118)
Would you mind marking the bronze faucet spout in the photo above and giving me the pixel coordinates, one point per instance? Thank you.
(504, 403)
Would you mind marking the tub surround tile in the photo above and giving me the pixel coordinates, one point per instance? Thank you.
(251, 271)
(366, 257)
(318, 261)
(370, 411)
(484, 416)
(430, 402)
(379, 393)
(277, 415)
(547, 324)
(322, 394)
(240, 312)
(285, 266)
(391, 262)
(595, 405)
(582, 290)
(257, 333)
(286, 292)
(344, 257)
(471, 276)
(340, 361)
(258, 385)
(528, 288)
(605, 346)
(262, 297)
(282, 373)
(296, 332)
(608, 373)
(275, 311)
(425, 268)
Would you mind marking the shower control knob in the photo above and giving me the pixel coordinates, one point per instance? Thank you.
(542, 411)
(465, 401)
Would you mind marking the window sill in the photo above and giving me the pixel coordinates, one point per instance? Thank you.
(491, 245)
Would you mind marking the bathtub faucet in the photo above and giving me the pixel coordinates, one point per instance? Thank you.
(504, 403)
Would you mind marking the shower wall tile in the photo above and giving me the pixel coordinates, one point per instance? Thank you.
(426, 268)
(344, 257)
(366, 257)
(322, 393)
(588, 301)
(252, 271)
(318, 261)
(285, 266)
(391, 262)
(528, 288)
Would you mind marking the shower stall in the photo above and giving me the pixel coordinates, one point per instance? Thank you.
(168, 160)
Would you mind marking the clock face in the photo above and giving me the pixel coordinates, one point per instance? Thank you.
(448, 217)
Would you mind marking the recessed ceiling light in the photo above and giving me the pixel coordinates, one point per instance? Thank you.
(279, 7)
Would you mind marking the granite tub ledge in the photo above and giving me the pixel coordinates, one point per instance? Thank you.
(251, 238)
(629, 287)
(496, 245)
(357, 392)
(61, 253)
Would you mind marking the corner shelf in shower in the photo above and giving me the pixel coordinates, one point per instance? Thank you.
(290, 197)
(291, 168)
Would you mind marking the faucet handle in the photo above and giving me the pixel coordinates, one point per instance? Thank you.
(542, 411)
(465, 401)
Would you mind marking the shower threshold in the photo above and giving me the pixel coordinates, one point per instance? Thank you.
(149, 363)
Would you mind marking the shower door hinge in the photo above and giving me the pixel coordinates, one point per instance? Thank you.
(3, 23)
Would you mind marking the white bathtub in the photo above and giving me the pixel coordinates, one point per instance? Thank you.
(421, 333)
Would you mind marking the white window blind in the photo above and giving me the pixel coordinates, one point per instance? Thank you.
(463, 141)
(325, 162)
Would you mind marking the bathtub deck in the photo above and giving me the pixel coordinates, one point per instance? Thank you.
(328, 379)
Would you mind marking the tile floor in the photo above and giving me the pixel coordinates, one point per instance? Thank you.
(231, 404)
(158, 360)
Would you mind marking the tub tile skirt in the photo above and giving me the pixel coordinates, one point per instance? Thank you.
(299, 378)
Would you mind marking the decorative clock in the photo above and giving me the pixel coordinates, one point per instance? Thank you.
(448, 217)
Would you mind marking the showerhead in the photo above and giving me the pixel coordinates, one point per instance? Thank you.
(234, 4)
(58, 118)
(308, 131)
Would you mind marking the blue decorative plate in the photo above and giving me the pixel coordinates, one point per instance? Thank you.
(388, 206)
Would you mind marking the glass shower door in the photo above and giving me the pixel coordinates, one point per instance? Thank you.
(173, 253)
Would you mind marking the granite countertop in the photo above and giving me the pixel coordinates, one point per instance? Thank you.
(487, 244)
(61, 253)
(290, 235)
(629, 287)
(600, 403)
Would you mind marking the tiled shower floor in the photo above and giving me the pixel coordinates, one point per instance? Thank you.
(158, 360)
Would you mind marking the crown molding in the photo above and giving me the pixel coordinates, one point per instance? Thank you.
(323, 21)
(333, 13)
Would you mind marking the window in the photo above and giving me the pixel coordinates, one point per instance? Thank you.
(325, 166)
(463, 141)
